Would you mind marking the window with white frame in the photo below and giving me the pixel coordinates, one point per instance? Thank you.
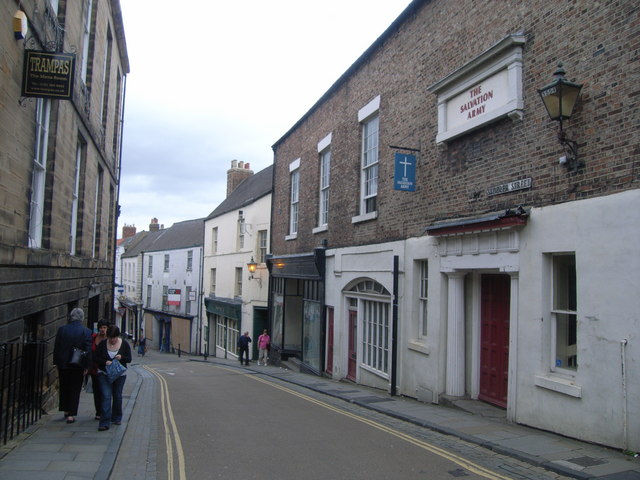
(564, 318)
(369, 178)
(262, 246)
(150, 272)
(187, 300)
(88, 8)
(165, 298)
(214, 239)
(189, 260)
(166, 262)
(293, 211)
(227, 333)
(75, 198)
(368, 117)
(97, 218)
(323, 204)
(36, 214)
(423, 297)
(212, 280)
(106, 79)
(241, 232)
(149, 290)
(238, 284)
(374, 306)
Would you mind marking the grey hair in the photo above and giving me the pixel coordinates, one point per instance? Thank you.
(76, 314)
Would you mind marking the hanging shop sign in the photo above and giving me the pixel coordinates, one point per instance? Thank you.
(48, 74)
(405, 172)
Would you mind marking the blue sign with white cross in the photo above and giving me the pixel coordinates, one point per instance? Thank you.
(405, 173)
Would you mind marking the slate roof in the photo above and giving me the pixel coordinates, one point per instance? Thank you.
(249, 191)
(189, 233)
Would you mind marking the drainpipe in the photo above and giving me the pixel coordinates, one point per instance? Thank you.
(623, 347)
(117, 212)
(394, 327)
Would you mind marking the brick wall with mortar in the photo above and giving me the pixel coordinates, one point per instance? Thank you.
(598, 43)
(40, 285)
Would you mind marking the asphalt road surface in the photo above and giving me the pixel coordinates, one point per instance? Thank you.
(226, 422)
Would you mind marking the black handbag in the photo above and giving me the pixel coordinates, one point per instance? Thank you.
(78, 358)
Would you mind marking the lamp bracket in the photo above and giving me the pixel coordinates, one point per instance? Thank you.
(571, 151)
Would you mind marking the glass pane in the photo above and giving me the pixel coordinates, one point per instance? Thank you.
(564, 267)
(566, 335)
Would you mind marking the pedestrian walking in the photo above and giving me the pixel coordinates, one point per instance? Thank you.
(93, 371)
(73, 335)
(243, 347)
(142, 344)
(109, 351)
(264, 343)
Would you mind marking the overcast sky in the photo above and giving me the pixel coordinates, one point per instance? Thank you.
(212, 81)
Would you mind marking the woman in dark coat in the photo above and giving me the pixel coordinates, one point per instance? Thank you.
(71, 377)
(113, 348)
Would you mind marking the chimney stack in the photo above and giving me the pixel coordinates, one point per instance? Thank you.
(128, 231)
(237, 174)
(154, 226)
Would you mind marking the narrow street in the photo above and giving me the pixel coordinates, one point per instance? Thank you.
(225, 421)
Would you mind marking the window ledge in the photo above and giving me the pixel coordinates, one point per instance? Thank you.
(419, 346)
(364, 217)
(374, 371)
(293, 236)
(321, 228)
(560, 385)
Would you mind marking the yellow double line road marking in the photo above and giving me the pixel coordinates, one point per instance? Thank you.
(170, 429)
(466, 464)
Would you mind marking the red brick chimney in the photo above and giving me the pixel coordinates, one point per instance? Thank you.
(237, 174)
(128, 231)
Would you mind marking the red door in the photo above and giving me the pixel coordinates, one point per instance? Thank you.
(353, 354)
(330, 340)
(494, 338)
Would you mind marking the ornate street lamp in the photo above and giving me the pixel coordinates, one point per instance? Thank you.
(559, 98)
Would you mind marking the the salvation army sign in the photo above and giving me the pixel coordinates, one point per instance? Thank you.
(482, 91)
(48, 74)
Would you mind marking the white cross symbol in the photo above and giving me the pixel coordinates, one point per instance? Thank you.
(405, 163)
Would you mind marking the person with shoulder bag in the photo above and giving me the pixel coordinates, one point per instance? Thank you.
(112, 357)
(72, 356)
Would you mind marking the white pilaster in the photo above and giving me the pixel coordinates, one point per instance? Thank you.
(455, 335)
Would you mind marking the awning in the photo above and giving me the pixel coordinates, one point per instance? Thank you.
(494, 221)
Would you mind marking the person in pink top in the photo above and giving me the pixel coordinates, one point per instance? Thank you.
(263, 348)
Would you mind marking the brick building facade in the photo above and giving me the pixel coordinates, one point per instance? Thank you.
(60, 167)
(515, 270)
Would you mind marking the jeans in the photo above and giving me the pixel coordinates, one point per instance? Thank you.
(111, 399)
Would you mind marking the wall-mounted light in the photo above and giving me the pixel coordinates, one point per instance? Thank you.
(559, 98)
(252, 267)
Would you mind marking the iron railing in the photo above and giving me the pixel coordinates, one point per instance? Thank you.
(21, 387)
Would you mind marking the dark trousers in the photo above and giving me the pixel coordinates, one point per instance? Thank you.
(244, 352)
(71, 380)
(97, 394)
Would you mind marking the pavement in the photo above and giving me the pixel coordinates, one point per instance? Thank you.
(53, 450)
